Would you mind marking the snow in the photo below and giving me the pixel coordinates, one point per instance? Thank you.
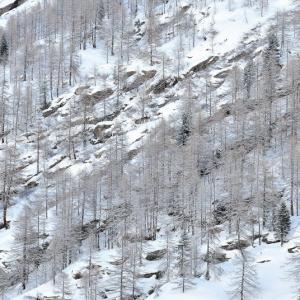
(272, 275)
(26, 5)
(231, 25)
(93, 62)
(204, 290)
(4, 3)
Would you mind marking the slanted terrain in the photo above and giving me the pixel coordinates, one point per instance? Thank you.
(149, 149)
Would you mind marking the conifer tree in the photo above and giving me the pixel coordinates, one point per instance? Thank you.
(282, 222)
(248, 77)
(184, 262)
(3, 50)
(185, 129)
(4, 282)
(270, 71)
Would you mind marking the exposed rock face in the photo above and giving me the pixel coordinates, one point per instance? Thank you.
(163, 84)
(32, 184)
(57, 162)
(128, 74)
(294, 249)
(216, 257)
(158, 275)
(101, 95)
(203, 64)
(235, 245)
(270, 241)
(54, 108)
(149, 74)
(11, 6)
(101, 130)
(222, 74)
(139, 80)
(156, 255)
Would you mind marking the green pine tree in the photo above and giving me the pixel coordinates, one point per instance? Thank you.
(3, 50)
(185, 129)
(282, 222)
(248, 77)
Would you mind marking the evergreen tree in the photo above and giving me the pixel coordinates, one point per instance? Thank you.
(3, 50)
(273, 50)
(271, 65)
(185, 129)
(4, 282)
(270, 71)
(248, 77)
(282, 222)
(184, 262)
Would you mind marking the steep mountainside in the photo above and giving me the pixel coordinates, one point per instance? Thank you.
(150, 150)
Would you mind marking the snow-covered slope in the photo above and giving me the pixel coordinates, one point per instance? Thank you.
(104, 136)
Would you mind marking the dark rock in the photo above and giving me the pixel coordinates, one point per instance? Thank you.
(141, 120)
(294, 249)
(150, 238)
(111, 116)
(216, 257)
(185, 8)
(45, 245)
(53, 109)
(131, 154)
(150, 292)
(257, 236)
(48, 112)
(263, 261)
(162, 84)
(31, 184)
(11, 6)
(103, 295)
(235, 245)
(156, 255)
(57, 162)
(128, 74)
(267, 240)
(222, 74)
(139, 80)
(204, 64)
(77, 276)
(117, 262)
(238, 56)
(101, 95)
(100, 130)
(158, 275)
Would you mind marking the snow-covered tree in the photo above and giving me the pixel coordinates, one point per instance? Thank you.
(184, 262)
(282, 222)
(244, 279)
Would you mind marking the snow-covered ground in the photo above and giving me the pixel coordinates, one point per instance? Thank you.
(236, 27)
